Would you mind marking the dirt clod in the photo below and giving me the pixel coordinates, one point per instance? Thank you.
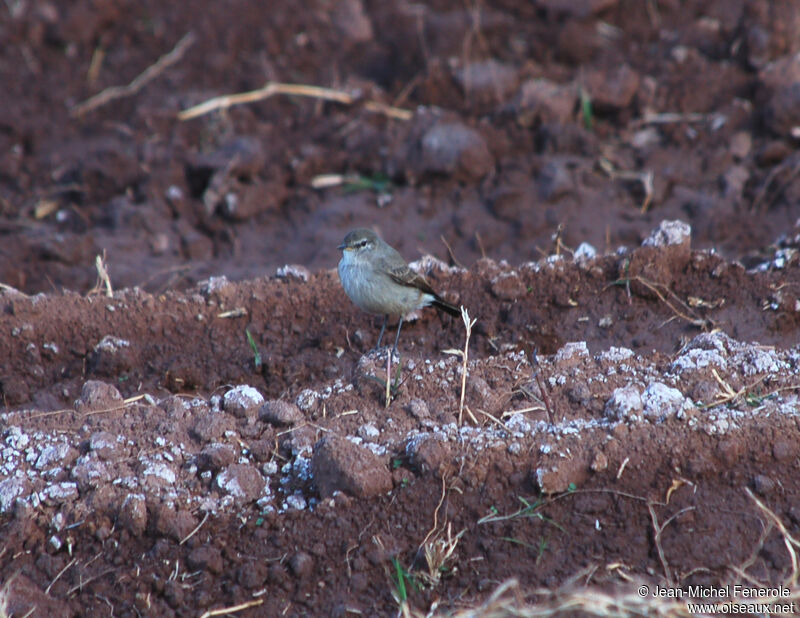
(96, 395)
(242, 401)
(205, 559)
(341, 465)
(133, 514)
(452, 148)
(280, 413)
(301, 564)
(241, 481)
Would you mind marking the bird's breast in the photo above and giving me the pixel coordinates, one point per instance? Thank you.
(376, 292)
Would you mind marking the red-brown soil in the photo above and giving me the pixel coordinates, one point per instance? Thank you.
(622, 413)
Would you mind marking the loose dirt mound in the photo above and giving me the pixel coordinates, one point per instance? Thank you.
(208, 427)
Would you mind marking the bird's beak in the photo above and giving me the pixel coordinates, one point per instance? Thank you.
(342, 247)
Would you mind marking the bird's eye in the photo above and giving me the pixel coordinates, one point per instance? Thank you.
(363, 243)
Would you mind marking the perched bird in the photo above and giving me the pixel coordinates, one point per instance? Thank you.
(378, 280)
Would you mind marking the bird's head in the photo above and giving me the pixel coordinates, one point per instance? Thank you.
(359, 240)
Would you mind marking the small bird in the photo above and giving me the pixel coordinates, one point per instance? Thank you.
(378, 280)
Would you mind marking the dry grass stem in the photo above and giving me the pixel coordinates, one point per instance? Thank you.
(196, 530)
(450, 251)
(534, 360)
(508, 601)
(464, 354)
(675, 486)
(98, 57)
(125, 403)
(103, 280)
(5, 594)
(789, 541)
(658, 530)
(494, 419)
(85, 582)
(471, 415)
(669, 118)
(626, 600)
(233, 609)
(645, 178)
(59, 574)
(438, 553)
(325, 181)
(389, 378)
(510, 413)
(271, 89)
(4, 602)
(438, 550)
(726, 394)
(761, 203)
(558, 241)
(435, 526)
(44, 208)
(239, 312)
(148, 75)
(526, 510)
(689, 315)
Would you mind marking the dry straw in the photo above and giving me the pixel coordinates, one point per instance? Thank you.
(464, 354)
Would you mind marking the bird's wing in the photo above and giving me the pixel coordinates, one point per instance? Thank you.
(398, 271)
(405, 276)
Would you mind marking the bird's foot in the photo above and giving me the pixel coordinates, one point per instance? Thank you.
(383, 352)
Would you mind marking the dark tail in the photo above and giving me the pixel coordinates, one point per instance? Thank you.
(442, 304)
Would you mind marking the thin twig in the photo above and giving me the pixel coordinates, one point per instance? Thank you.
(304, 90)
(148, 75)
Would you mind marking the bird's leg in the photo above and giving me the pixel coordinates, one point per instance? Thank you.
(397, 337)
(383, 328)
